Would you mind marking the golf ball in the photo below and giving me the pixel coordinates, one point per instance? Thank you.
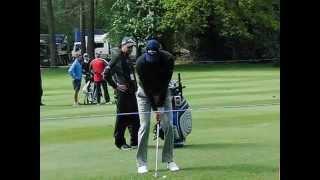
(164, 176)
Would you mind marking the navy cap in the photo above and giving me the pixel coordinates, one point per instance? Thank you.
(153, 45)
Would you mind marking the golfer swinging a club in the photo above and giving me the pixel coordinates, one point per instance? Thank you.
(155, 68)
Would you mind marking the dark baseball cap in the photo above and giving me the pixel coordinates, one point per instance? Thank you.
(153, 45)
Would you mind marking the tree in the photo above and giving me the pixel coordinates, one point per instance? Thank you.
(255, 24)
(91, 47)
(103, 14)
(82, 27)
(252, 24)
(238, 28)
(135, 18)
(43, 20)
(52, 41)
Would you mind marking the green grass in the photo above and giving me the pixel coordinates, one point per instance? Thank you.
(225, 144)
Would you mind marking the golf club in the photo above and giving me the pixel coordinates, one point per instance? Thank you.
(157, 146)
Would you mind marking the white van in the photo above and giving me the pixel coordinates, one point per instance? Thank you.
(102, 46)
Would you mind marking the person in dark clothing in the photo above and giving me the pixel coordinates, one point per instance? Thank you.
(85, 68)
(124, 81)
(155, 68)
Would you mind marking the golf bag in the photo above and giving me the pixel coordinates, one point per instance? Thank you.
(181, 119)
(89, 90)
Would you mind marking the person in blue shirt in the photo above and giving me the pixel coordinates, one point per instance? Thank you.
(75, 72)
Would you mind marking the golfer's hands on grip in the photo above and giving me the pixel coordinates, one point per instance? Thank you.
(122, 87)
(157, 117)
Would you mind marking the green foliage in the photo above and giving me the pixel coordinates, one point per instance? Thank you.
(67, 15)
(190, 16)
(250, 21)
(243, 24)
(135, 18)
(103, 14)
(233, 19)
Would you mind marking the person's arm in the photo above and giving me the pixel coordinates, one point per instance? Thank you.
(71, 70)
(169, 63)
(142, 72)
(143, 75)
(110, 81)
(109, 71)
(105, 62)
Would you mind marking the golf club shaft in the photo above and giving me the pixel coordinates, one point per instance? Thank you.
(157, 148)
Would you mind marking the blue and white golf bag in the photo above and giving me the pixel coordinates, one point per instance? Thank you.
(182, 120)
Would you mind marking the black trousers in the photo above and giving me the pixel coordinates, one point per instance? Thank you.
(126, 103)
(98, 90)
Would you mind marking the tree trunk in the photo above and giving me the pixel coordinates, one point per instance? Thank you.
(82, 28)
(52, 40)
(43, 19)
(91, 47)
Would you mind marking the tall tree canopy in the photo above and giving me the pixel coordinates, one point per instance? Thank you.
(250, 28)
(137, 18)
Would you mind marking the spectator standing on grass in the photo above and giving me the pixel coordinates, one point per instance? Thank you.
(155, 68)
(75, 72)
(124, 81)
(97, 67)
(86, 73)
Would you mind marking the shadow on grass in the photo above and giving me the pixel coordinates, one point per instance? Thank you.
(212, 146)
(235, 167)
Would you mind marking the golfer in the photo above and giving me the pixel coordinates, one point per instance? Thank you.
(154, 68)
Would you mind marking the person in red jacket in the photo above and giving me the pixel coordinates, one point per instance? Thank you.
(97, 67)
